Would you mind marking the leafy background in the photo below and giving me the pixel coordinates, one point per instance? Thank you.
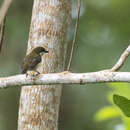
(104, 33)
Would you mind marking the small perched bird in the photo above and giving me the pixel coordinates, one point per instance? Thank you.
(32, 59)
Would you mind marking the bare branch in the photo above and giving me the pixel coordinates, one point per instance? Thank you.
(3, 12)
(4, 8)
(65, 78)
(122, 60)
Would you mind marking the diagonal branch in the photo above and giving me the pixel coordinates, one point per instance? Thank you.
(3, 12)
(121, 60)
(65, 78)
(4, 8)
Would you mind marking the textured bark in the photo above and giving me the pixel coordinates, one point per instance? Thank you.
(39, 106)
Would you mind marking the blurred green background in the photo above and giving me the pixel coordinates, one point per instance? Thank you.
(104, 33)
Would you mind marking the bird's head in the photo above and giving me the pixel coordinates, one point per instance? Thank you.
(40, 50)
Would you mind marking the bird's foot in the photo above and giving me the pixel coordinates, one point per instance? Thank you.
(32, 73)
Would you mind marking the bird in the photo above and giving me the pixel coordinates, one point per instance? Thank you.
(32, 59)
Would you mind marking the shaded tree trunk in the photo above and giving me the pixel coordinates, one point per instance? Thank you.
(39, 106)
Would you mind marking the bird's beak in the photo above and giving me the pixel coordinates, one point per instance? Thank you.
(44, 52)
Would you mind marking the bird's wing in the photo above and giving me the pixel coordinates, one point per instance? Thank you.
(23, 66)
(34, 62)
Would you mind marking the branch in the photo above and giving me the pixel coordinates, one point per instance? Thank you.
(121, 60)
(4, 8)
(71, 78)
(3, 12)
(65, 78)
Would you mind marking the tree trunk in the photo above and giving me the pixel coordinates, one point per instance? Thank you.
(39, 105)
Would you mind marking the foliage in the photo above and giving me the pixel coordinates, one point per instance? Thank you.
(123, 104)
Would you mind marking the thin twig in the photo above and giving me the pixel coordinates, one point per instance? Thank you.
(121, 60)
(75, 35)
(2, 30)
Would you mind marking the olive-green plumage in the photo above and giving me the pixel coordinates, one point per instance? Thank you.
(32, 59)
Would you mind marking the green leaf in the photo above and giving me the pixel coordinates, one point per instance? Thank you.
(121, 88)
(123, 103)
(106, 113)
